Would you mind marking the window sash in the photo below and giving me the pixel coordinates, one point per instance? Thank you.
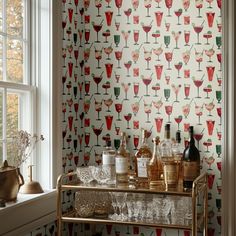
(23, 89)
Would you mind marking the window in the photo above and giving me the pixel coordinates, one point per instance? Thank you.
(17, 90)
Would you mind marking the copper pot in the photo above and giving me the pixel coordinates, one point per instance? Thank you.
(10, 182)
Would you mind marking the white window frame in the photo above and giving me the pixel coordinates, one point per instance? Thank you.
(41, 209)
(24, 89)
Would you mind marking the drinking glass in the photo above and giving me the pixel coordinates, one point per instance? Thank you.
(84, 174)
(167, 94)
(114, 216)
(121, 200)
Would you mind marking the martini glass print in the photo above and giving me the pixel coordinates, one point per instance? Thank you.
(97, 80)
(97, 28)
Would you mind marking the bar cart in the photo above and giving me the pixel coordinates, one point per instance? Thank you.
(199, 188)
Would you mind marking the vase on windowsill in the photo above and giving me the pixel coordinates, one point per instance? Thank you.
(10, 182)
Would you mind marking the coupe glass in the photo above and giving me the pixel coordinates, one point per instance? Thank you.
(101, 174)
(84, 174)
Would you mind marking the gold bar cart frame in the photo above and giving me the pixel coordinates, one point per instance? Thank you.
(199, 186)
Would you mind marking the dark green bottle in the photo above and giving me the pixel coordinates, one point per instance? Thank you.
(191, 162)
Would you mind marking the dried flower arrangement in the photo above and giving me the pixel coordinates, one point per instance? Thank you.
(22, 145)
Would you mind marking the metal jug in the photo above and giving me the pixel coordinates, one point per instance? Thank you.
(10, 182)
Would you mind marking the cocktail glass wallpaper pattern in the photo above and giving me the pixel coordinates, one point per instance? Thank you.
(135, 64)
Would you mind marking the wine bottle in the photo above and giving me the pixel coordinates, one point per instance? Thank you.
(154, 166)
(142, 158)
(191, 162)
(122, 158)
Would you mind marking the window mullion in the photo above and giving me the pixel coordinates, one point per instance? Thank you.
(4, 121)
(4, 49)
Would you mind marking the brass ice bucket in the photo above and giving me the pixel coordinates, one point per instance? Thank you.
(10, 182)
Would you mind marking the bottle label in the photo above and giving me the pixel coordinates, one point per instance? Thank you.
(171, 173)
(142, 166)
(121, 165)
(108, 159)
(190, 170)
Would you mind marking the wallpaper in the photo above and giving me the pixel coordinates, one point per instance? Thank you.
(132, 64)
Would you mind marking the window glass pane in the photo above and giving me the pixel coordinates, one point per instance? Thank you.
(1, 15)
(14, 61)
(1, 58)
(15, 16)
(12, 114)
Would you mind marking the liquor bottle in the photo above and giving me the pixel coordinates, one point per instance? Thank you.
(142, 158)
(177, 151)
(108, 161)
(191, 162)
(122, 161)
(169, 165)
(153, 167)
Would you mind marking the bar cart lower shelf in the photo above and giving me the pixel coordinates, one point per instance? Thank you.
(198, 220)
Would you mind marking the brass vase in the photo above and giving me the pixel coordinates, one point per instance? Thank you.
(10, 182)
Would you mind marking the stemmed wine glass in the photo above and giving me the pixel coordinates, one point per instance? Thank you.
(148, 4)
(199, 5)
(147, 57)
(118, 107)
(98, 5)
(118, 55)
(169, 110)
(97, 132)
(118, 5)
(97, 79)
(98, 108)
(147, 81)
(128, 118)
(178, 120)
(198, 29)
(198, 83)
(98, 56)
(169, 56)
(114, 204)
(121, 200)
(199, 112)
(146, 29)
(169, 6)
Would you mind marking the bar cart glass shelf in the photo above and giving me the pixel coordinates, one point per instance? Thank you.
(198, 220)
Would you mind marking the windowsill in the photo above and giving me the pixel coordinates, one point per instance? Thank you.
(29, 212)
